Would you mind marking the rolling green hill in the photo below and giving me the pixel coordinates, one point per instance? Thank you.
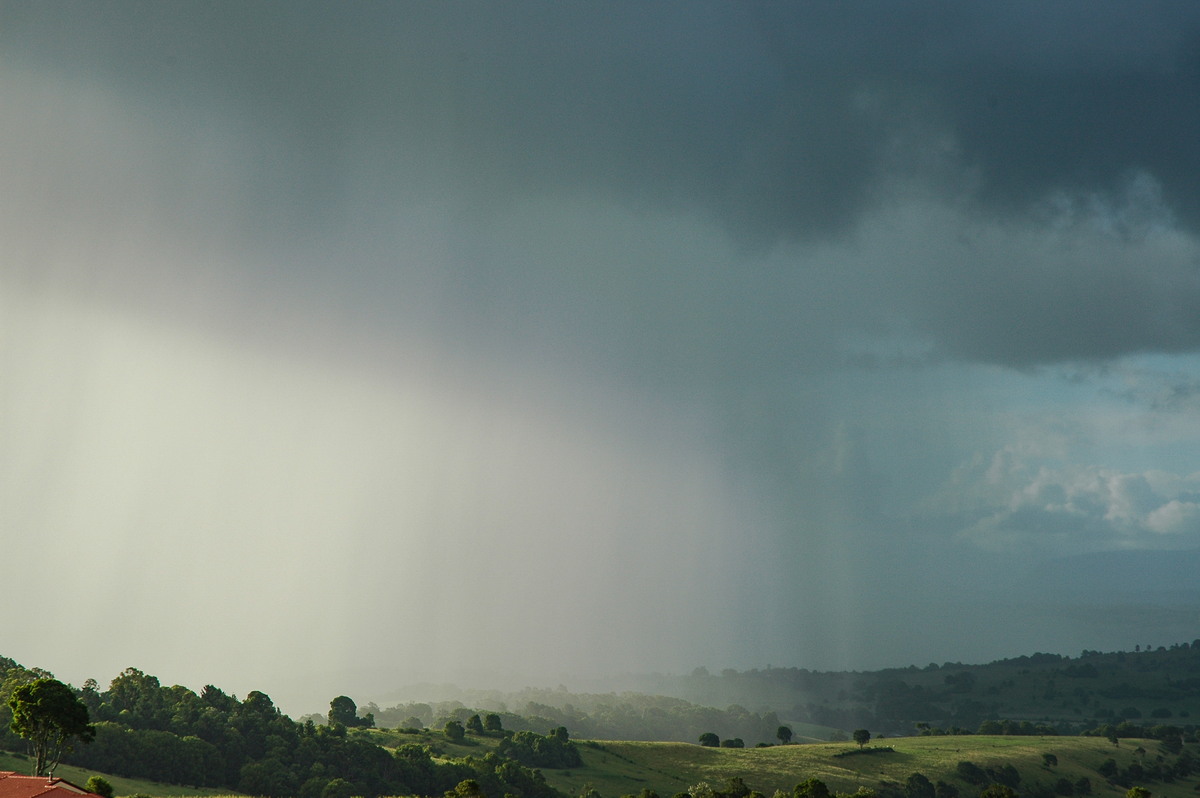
(145, 729)
(620, 768)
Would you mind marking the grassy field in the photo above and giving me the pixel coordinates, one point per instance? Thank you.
(620, 768)
(121, 786)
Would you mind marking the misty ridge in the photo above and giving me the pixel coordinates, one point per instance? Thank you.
(1058, 693)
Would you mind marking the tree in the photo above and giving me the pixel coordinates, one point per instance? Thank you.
(343, 710)
(467, 788)
(475, 724)
(454, 731)
(337, 788)
(99, 786)
(47, 713)
(710, 740)
(971, 773)
(1137, 792)
(943, 789)
(862, 737)
(784, 734)
(1050, 760)
(919, 786)
(811, 788)
(491, 722)
(998, 791)
(736, 788)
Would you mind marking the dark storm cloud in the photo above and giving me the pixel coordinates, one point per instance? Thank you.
(784, 124)
(776, 118)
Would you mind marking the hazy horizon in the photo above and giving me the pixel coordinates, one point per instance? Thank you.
(357, 343)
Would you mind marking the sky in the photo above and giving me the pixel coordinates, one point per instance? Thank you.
(345, 346)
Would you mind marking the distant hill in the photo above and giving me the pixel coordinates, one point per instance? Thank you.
(1070, 693)
(1146, 687)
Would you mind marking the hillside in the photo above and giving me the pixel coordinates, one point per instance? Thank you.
(145, 730)
(19, 763)
(620, 768)
(1147, 686)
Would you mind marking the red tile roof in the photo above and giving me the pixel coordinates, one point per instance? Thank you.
(14, 785)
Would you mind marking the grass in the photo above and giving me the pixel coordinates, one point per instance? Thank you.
(620, 768)
(121, 786)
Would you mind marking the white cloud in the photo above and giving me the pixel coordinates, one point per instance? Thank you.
(1175, 518)
(1081, 508)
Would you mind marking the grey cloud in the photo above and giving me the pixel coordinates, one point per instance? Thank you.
(751, 112)
(787, 126)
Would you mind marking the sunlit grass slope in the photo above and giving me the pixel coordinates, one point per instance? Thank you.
(619, 768)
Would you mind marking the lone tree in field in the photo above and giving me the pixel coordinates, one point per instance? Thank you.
(710, 740)
(862, 737)
(47, 713)
(784, 734)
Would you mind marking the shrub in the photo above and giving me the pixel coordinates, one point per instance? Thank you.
(971, 773)
(100, 786)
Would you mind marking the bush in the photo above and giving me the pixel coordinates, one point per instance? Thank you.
(454, 731)
(99, 786)
(971, 773)
(555, 750)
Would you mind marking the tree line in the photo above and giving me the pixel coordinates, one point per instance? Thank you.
(594, 716)
(142, 729)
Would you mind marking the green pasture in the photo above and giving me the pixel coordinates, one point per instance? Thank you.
(617, 768)
(620, 768)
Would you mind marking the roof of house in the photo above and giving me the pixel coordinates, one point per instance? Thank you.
(15, 785)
